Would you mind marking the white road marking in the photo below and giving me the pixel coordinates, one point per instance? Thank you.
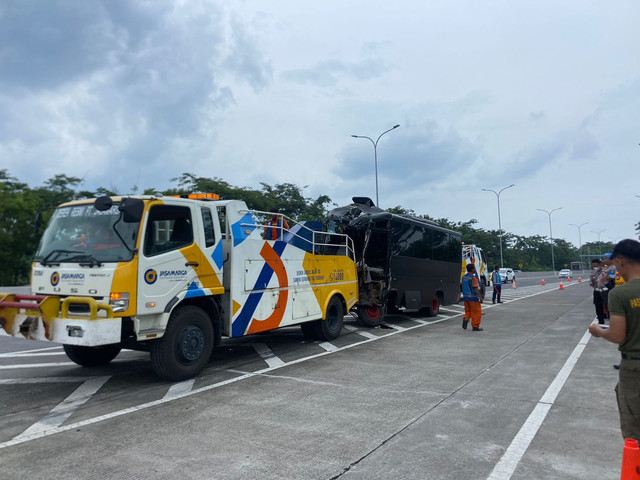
(180, 388)
(362, 333)
(329, 347)
(267, 355)
(25, 355)
(508, 463)
(64, 410)
(36, 365)
(11, 354)
(23, 381)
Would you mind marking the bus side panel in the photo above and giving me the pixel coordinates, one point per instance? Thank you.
(426, 276)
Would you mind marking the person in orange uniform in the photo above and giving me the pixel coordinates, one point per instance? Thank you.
(472, 299)
(273, 230)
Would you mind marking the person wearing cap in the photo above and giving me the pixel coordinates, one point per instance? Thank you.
(496, 279)
(598, 286)
(472, 299)
(608, 279)
(624, 330)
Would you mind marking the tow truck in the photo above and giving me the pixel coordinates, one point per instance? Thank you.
(173, 276)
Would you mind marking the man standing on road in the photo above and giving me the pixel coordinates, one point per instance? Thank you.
(595, 282)
(496, 279)
(472, 299)
(624, 329)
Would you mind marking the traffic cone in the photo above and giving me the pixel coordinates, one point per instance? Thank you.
(513, 284)
(568, 279)
(561, 285)
(543, 281)
(579, 279)
(630, 460)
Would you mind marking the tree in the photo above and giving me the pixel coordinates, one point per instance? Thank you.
(18, 240)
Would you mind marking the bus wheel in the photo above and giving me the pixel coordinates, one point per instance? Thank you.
(483, 289)
(433, 309)
(308, 330)
(92, 356)
(186, 346)
(331, 326)
(370, 315)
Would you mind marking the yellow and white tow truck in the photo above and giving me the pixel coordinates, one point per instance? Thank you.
(173, 275)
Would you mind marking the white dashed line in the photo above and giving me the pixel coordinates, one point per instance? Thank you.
(267, 355)
(180, 388)
(66, 408)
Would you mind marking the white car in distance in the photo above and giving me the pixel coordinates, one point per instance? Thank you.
(508, 275)
(565, 273)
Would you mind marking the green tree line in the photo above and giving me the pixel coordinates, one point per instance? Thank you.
(19, 204)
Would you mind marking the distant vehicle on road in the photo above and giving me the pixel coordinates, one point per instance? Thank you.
(564, 273)
(508, 275)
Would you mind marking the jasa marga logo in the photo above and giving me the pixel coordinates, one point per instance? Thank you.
(150, 276)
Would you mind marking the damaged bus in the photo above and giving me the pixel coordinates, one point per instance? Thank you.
(403, 261)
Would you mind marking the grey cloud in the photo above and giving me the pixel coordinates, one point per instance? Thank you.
(110, 80)
(245, 59)
(537, 115)
(411, 156)
(330, 72)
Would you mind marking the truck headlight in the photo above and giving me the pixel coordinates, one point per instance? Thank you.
(119, 301)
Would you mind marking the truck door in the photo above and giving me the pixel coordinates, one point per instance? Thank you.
(166, 262)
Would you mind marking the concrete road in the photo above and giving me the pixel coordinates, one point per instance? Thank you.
(530, 397)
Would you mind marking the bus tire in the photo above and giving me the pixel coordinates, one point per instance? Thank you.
(370, 315)
(308, 330)
(330, 328)
(433, 309)
(186, 346)
(92, 356)
(483, 290)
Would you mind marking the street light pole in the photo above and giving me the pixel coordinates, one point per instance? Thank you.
(375, 154)
(499, 222)
(579, 239)
(599, 245)
(553, 262)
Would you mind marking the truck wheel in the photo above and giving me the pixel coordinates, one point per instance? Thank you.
(370, 315)
(186, 346)
(330, 328)
(308, 330)
(92, 356)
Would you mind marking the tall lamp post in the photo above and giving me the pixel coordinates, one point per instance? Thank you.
(499, 222)
(599, 245)
(553, 262)
(579, 239)
(375, 154)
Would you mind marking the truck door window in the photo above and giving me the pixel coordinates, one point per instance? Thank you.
(207, 222)
(169, 227)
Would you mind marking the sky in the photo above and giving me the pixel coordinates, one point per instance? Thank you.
(540, 94)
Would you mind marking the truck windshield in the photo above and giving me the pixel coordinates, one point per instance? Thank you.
(82, 234)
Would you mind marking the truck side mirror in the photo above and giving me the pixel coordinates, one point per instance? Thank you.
(103, 203)
(131, 209)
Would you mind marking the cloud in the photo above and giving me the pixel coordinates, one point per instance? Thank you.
(413, 155)
(118, 83)
(330, 72)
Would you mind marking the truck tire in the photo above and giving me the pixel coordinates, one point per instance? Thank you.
(330, 328)
(92, 356)
(186, 346)
(370, 316)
